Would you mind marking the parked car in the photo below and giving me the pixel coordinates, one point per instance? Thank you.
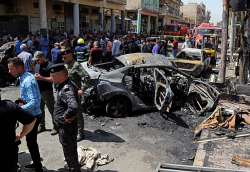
(144, 81)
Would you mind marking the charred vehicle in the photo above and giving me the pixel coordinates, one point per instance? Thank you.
(6, 51)
(144, 81)
(193, 61)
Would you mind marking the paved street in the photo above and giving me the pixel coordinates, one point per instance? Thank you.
(137, 144)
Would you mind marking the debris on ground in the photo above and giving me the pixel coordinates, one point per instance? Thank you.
(240, 161)
(91, 158)
(228, 115)
(187, 168)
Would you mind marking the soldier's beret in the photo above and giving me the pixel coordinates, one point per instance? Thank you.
(57, 68)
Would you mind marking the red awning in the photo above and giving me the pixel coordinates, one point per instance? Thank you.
(207, 26)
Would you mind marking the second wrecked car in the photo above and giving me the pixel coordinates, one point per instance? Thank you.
(144, 81)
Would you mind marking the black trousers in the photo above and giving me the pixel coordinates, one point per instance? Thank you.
(32, 145)
(80, 120)
(10, 159)
(67, 137)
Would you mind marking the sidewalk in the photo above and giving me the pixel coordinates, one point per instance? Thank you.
(218, 153)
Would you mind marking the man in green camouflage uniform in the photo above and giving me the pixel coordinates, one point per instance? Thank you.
(78, 75)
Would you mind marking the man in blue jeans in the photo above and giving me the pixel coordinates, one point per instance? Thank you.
(30, 95)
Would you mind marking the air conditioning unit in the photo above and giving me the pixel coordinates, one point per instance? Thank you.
(239, 5)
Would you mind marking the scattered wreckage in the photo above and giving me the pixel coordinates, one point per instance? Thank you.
(230, 113)
(143, 81)
(7, 51)
(225, 131)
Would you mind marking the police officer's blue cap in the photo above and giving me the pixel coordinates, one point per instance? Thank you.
(57, 68)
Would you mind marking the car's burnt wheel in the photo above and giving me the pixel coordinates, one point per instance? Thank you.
(118, 107)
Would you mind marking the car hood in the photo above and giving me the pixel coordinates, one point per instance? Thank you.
(143, 58)
(92, 71)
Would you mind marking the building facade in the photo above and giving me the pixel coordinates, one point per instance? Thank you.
(169, 12)
(196, 13)
(144, 15)
(62, 15)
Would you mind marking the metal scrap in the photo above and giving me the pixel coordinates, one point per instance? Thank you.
(227, 115)
(221, 138)
(188, 168)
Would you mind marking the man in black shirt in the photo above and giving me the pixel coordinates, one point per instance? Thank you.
(10, 113)
(65, 114)
(45, 85)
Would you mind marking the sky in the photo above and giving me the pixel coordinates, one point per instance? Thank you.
(215, 6)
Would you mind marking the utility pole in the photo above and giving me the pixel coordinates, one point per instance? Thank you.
(222, 73)
(232, 34)
(244, 59)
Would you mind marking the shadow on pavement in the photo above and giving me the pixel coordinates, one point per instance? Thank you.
(102, 136)
(24, 158)
(58, 170)
(82, 170)
(176, 118)
(106, 171)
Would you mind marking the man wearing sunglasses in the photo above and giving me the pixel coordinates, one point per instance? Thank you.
(79, 76)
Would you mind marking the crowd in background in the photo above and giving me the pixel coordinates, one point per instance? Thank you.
(85, 46)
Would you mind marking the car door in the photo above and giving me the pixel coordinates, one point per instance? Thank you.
(163, 93)
(140, 82)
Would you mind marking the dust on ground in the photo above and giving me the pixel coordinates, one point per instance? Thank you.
(136, 143)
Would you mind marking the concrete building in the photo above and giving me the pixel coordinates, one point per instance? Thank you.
(144, 14)
(62, 15)
(169, 12)
(208, 16)
(195, 12)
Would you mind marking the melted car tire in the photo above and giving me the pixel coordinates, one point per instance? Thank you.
(118, 106)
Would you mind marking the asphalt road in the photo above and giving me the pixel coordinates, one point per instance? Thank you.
(136, 143)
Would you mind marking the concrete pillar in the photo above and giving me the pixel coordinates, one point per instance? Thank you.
(43, 17)
(149, 25)
(112, 22)
(123, 29)
(248, 34)
(156, 24)
(232, 34)
(138, 24)
(101, 19)
(248, 44)
(76, 19)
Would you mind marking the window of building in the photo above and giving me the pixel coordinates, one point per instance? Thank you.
(35, 5)
(95, 11)
(57, 7)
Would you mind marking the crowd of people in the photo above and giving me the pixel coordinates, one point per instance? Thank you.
(59, 87)
(50, 74)
(93, 47)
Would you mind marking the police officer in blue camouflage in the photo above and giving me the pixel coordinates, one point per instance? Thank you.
(65, 114)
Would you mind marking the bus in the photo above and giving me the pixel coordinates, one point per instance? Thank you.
(175, 30)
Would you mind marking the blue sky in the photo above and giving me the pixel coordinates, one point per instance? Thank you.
(215, 6)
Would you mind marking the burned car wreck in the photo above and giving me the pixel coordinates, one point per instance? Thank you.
(7, 51)
(144, 81)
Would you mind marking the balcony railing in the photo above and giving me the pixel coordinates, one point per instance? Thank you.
(122, 2)
(165, 11)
